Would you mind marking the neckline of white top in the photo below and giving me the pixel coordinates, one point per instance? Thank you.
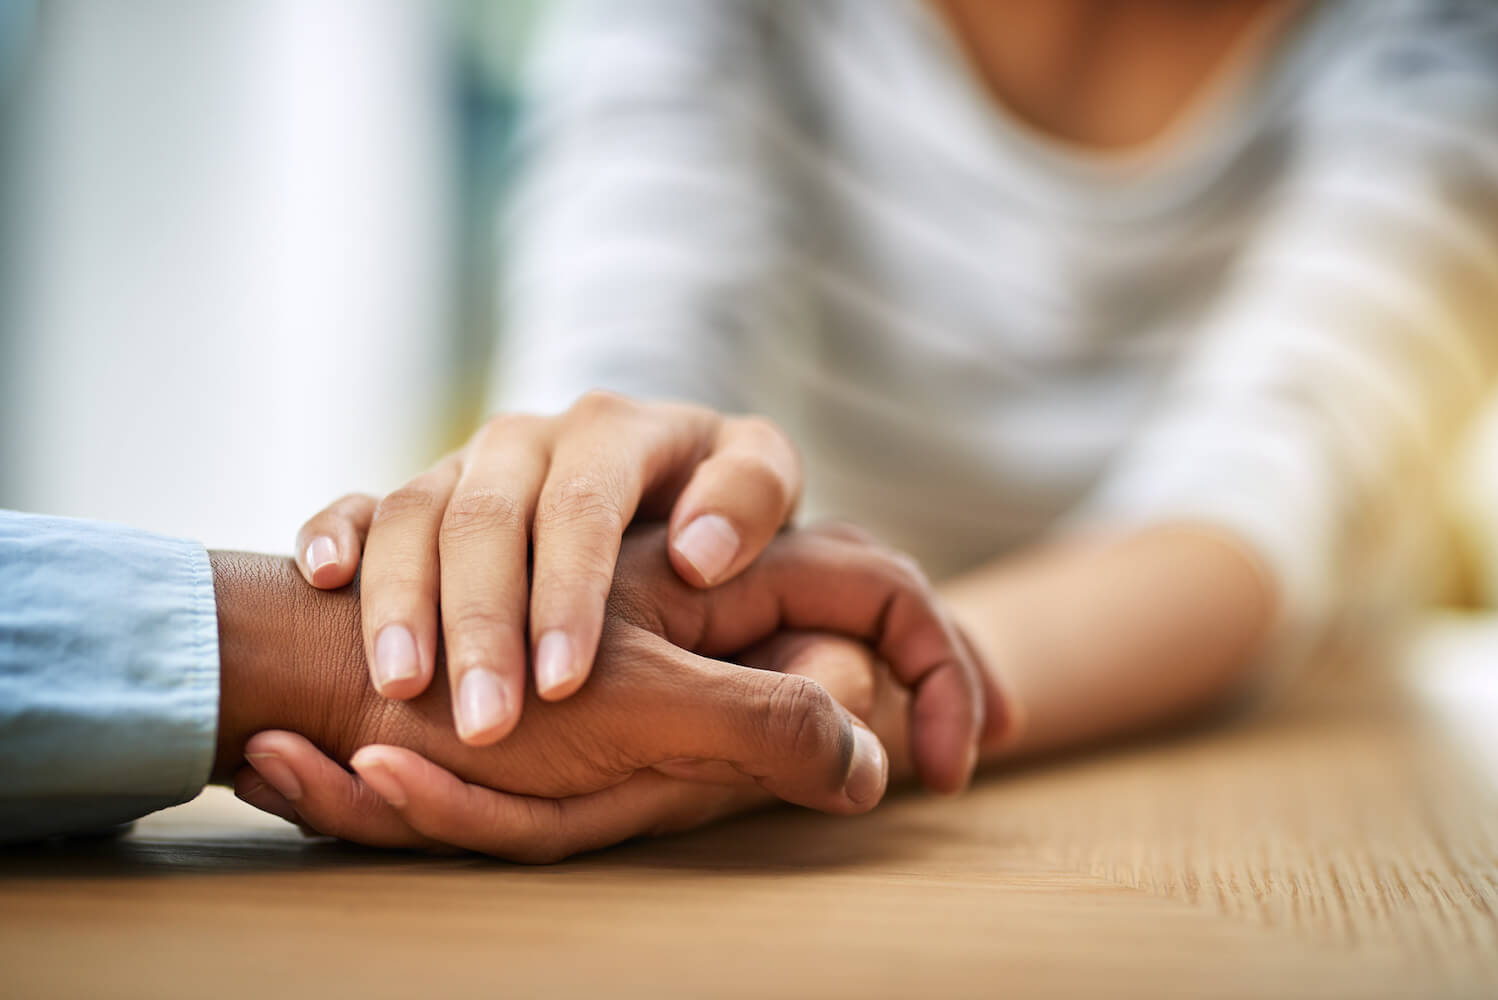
(1240, 100)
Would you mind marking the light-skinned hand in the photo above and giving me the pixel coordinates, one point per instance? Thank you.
(653, 704)
(562, 490)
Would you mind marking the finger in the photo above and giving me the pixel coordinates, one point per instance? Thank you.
(844, 667)
(735, 502)
(399, 586)
(437, 804)
(484, 540)
(329, 545)
(784, 731)
(843, 530)
(813, 580)
(608, 452)
(888, 600)
(1004, 722)
(323, 795)
(250, 788)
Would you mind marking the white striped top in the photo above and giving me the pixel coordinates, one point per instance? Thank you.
(1271, 320)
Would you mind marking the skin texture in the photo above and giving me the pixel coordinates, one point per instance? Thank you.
(1084, 638)
(292, 663)
(1101, 636)
(395, 798)
(833, 578)
(557, 492)
(1174, 615)
(1105, 75)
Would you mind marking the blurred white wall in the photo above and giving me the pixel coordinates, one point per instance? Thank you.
(227, 258)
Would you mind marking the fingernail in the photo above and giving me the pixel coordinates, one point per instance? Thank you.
(274, 770)
(709, 544)
(379, 777)
(866, 778)
(481, 703)
(554, 666)
(321, 551)
(395, 656)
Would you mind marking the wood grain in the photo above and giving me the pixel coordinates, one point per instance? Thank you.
(1344, 843)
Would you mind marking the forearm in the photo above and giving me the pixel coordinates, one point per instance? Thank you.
(1094, 638)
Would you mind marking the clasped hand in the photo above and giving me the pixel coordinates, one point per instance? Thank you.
(661, 735)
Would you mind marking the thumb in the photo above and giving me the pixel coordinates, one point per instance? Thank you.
(735, 501)
(786, 732)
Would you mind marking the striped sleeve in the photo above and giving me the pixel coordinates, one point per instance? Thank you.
(642, 247)
(1358, 333)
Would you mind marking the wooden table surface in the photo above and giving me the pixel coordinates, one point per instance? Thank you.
(1345, 844)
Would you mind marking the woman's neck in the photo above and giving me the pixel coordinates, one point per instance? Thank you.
(1107, 74)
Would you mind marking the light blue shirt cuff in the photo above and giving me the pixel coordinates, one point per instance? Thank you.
(108, 674)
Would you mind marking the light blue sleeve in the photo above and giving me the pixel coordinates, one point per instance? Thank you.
(108, 674)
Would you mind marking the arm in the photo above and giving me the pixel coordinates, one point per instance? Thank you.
(1103, 635)
(645, 244)
(823, 578)
(114, 651)
(643, 220)
(135, 668)
(292, 661)
(468, 544)
(1273, 492)
(657, 696)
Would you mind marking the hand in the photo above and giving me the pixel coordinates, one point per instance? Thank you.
(655, 703)
(831, 578)
(290, 659)
(398, 799)
(566, 487)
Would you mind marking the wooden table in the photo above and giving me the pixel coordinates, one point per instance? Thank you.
(1345, 844)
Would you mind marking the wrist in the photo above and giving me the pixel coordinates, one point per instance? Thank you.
(290, 656)
(1173, 617)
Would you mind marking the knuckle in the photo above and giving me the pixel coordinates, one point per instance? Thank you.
(410, 501)
(475, 511)
(324, 522)
(476, 629)
(488, 644)
(761, 431)
(905, 573)
(848, 673)
(801, 720)
(752, 475)
(600, 404)
(910, 571)
(581, 499)
(508, 427)
(396, 590)
(843, 531)
(541, 840)
(350, 502)
(678, 410)
(340, 811)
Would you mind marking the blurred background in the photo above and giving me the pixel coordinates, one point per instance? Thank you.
(245, 252)
(246, 258)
